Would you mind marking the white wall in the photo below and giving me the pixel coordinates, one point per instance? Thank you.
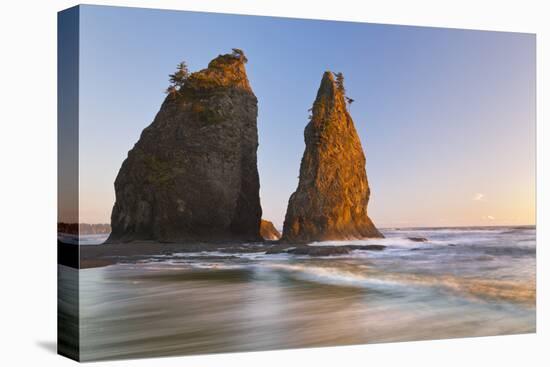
(28, 194)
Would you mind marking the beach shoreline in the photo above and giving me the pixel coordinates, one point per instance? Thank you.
(104, 254)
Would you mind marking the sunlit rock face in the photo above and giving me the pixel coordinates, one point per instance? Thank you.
(193, 176)
(268, 231)
(331, 200)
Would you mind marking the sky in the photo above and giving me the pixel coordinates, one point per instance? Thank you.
(446, 117)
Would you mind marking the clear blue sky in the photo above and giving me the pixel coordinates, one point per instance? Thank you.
(446, 116)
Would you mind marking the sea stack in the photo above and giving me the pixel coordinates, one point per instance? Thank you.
(268, 231)
(192, 175)
(331, 200)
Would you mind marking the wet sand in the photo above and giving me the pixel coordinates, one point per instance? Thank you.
(107, 254)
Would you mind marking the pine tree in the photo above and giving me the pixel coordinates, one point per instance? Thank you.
(239, 54)
(340, 82)
(178, 79)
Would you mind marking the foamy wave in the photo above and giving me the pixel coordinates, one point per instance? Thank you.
(178, 265)
(477, 289)
(260, 255)
(388, 241)
(333, 276)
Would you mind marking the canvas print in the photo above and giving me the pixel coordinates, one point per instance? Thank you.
(235, 183)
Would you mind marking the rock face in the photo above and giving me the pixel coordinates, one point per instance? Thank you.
(331, 200)
(192, 176)
(268, 231)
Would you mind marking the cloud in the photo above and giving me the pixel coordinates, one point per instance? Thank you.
(479, 197)
(489, 217)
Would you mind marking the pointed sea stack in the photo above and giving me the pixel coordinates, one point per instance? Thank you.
(331, 200)
(193, 176)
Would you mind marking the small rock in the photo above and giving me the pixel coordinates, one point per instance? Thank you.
(323, 250)
(418, 239)
(268, 231)
(320, 250)
(276, 250)
(367, 247)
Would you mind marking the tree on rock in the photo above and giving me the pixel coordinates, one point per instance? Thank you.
(340, 82)
(178, 79)
(239, 54)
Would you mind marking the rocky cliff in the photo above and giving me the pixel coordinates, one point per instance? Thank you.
(192, 176)
(331, 200)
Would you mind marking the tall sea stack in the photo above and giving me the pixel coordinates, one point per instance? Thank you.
(331, 200)
(193, 176)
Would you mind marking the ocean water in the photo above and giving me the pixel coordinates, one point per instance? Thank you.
(460, 283)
